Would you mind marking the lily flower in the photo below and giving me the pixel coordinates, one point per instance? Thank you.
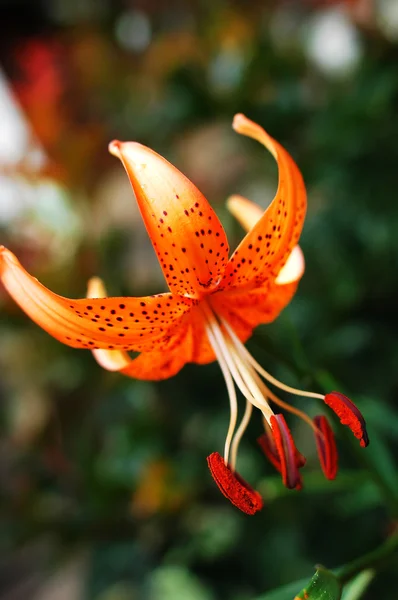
(213, 304)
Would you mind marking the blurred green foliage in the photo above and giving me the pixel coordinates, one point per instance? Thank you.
(110, 473)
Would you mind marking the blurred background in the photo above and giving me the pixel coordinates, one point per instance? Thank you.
(104, 487)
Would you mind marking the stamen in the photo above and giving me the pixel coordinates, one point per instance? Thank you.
(232, 398)
(234, 487)
(234, 370)
(239, 433)
(292, 409)
(349, 415)
(267, 444)
(222, 349)
(326, 446)
(287, 452)
(265, 373)
(248, 376)
(267, 393)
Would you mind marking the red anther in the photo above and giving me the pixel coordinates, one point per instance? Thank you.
(326, 447)
(300, 459)
(267, 444)
(289, 456)
(234, 487)
(349, 415)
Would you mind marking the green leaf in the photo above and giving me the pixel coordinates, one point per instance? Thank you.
(285, 592)
(323, 586)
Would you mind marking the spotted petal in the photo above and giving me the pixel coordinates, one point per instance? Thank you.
(125, 323)
(157, 365)
(248, 214)
(153, 365)
(245, 310)
(187, 235)
(265, 249)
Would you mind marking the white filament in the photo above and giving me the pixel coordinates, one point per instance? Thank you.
(231, 393)
(240, 368)
(265, 373)
(235, 370)
(239, 433)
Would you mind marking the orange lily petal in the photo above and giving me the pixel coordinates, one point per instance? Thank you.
(159, 365)
(153, 365)
(189, 344)
(265, 249)
(186, 233)
(245, 310)
(203, 352)
(111, 360)
(293, 269)
(248, 214)
(123, 323)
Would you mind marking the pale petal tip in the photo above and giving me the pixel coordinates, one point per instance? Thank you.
(114, 148)
(293, 269)
(245, 211)
(7, 256)
(244, 126)
(234, 201)
(111, 360)
(130, 152)
(239, 121)
(96, 288)
(2, 253)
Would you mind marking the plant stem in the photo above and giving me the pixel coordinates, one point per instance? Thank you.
(359, 585)
(372, 560)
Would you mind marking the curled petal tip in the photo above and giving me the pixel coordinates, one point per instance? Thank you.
(7, 259)
(241, 124)
(131, 152)
(349, 415)
(234, 487)
(279, 227)
(114, 148)
(2, 253)
(238, 120)
(5, 253)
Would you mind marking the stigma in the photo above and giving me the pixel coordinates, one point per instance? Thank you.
(242, 372)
